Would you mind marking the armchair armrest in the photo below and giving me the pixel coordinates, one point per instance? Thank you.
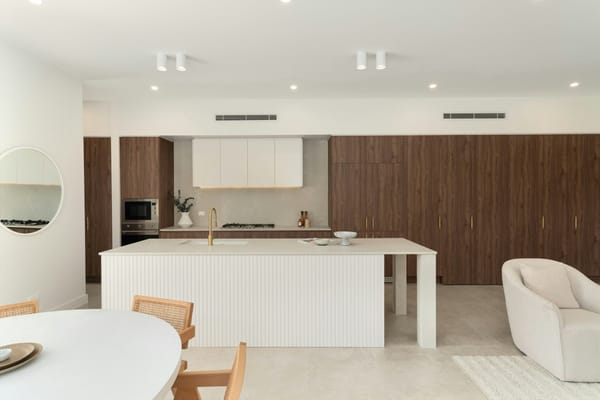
(586, 291)
(187, 334)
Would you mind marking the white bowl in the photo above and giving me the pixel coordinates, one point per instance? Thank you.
(321, 242)
(345, 236)
(5, 354)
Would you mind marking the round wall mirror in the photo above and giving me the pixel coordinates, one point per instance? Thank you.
(31, 190)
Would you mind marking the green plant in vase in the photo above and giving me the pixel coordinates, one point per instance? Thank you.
(183, 206)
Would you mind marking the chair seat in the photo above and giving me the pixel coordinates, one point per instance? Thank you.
(580, 319)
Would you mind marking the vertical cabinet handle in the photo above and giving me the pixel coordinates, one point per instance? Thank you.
(471, 222)
(576, 222)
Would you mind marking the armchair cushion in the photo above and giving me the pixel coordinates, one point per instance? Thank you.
(550, 281)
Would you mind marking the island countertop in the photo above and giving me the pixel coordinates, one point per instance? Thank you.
(397, 246)
(277, 228)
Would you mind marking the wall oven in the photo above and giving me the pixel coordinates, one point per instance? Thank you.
(139, 220)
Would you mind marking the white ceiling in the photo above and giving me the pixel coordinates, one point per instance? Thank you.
(257, 48)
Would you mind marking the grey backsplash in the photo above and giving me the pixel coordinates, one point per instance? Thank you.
(29, 201)
(277, 206)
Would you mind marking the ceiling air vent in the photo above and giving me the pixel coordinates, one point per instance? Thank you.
(265, 117)
(474, 115)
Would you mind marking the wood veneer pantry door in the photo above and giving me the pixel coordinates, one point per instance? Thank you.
(98, 203)
(587, 207)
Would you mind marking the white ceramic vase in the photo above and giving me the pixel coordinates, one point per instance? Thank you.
(185, 221)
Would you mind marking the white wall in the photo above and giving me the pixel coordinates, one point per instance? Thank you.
(41, 107)
(163, 115)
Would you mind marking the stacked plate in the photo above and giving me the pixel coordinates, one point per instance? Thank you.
(16, 355)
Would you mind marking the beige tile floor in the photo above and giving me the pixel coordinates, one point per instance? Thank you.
(471, 320)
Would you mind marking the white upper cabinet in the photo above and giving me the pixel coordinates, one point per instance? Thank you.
(261, 162)
(234, 162)
(28, 167)
(247, 162)
(206, 162)
(288, 162)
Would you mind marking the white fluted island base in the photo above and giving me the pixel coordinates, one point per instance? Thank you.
(275, 292)
(265, 300)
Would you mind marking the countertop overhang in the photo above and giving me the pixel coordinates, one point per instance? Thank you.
(397, 246)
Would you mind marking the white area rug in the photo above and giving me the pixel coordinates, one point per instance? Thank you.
(517, 377)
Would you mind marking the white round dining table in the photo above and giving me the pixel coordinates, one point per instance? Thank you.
(92, 354)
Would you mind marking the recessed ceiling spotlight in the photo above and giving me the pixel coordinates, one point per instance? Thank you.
(574, 84)
(293, 87)
(37, 2)
(432, 86)
(161, 62)
(361, 60)
(380, 60)
(154, 88)
(180, 60)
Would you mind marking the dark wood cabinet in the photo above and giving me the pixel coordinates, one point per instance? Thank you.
(478, 200)
(147, 173)
(98, 203)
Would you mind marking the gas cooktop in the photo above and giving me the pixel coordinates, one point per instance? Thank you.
(237, 225)
(23, 222)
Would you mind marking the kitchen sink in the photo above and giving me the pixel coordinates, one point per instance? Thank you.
(216, 242)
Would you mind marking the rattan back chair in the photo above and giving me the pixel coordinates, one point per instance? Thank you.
(24, 308)
(177, 313)
(187, 383)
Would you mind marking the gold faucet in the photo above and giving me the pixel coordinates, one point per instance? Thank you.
(210, 225)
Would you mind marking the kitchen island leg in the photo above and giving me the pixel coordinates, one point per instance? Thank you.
(426, 301)
(399, 285)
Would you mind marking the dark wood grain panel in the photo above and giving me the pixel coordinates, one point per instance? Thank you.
(491, 176)
(166, 183)
(424, 199)
(348, 198)
(98, 203)
(347, 149)
(457, 190)
(140, 161)
(558, 209)
(526, 188)
(587, 209)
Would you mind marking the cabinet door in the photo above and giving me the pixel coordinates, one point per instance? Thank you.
(98, 203)
(206, 158)
(490, 217)
(347, 199)
(526, 189)
(587, 210)
(559, 208)
(261, 162)
(458, 221)
(347, 149)
(424, 217)
(234, 162)
(289, 162)
(140, 167)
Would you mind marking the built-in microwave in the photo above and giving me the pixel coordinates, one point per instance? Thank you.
(139, 214)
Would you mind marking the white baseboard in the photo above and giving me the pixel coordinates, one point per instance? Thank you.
(73, 303)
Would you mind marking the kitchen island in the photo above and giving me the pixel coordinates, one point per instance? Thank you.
(276, 292)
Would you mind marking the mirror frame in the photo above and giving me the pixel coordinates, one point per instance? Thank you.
(62, 188)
